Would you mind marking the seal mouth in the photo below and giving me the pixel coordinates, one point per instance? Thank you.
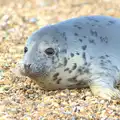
(33, 74)
(22, 70)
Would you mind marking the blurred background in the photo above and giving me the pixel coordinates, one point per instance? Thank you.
(20, 97)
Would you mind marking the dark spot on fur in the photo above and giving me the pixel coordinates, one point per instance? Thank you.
(73, 79)
(78, 27)
(39, 51)
(60, 64)
(56, 40)
(96, 21)
(104, 39)
(84, 47)
(111, 22)
(116, 68)
(70, 71)
(109, 61)
(64, 35)
(84, 56)
(80, 70)
(92, 19)
(74, 66)
(55, 76)
(102, 57)
(85, 36)
(76, 34)
(102, 63)
(93, 33)
(75, 25)
(57, 54)
(53, 60)
(88, 64)
(65, 61)
(80, 40)
(83, 70)
(92, 41)
(66, 69)
(86, 70)
(107, 55)
(105, 68)
(85, 63)
(77, 53)
(58, 81)
(72, 55)
(66, 38)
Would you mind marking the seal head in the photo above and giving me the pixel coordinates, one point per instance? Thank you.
(44, 55)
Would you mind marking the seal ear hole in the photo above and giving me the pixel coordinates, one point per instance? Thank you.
(25, 49)
(50, 51)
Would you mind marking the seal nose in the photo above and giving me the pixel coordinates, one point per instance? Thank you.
(27, 67)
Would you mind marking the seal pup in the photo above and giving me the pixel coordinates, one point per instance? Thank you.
(79, 52)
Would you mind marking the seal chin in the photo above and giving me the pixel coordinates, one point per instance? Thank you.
(33, 74)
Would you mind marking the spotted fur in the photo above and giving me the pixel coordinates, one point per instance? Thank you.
(83, 51)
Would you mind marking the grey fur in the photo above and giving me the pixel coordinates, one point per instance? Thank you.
(87, 51)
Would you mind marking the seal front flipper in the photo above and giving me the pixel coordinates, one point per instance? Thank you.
(104, 88)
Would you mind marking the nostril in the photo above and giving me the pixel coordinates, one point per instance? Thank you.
(27, 66)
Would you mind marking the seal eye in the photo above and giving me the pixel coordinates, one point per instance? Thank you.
(49, 51)
(25, 49)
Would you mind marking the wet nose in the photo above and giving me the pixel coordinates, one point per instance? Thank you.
(27, 67)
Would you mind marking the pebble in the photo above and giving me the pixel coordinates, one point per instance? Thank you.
(1, 74)
(33, 20)
(67, 113)
(78, 109)
(4, 88)
(30, 91)
(15, 27)
(26, 117)
(45, 3)
(4, 25)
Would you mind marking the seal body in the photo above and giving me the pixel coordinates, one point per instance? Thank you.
(76, 53)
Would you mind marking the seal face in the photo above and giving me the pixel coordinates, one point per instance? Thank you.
(76, 53)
